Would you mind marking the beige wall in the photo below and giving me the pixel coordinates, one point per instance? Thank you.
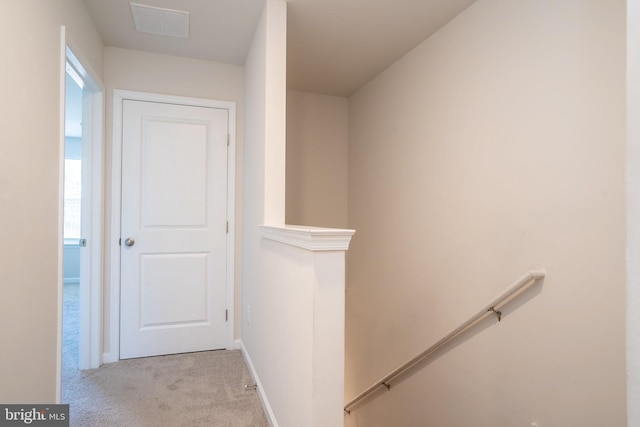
(171, 75)
(633, 212)
(495, 147)
(317, 158)
(29, 180)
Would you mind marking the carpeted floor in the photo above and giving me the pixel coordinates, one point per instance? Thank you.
(194, 389)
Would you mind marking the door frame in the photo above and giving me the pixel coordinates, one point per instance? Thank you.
(90, 310)
(90, 335)
(119, 96)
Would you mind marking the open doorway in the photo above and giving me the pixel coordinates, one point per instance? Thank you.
(72, 214)
(81, 239)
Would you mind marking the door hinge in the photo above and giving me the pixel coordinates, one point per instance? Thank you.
(227, 227)
(228, 140)
(120, 242)
(226, 315)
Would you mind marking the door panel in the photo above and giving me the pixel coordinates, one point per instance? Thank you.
(159, 305)
(184, 147)
(174, 183)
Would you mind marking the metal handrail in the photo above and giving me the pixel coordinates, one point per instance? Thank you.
(492, 307)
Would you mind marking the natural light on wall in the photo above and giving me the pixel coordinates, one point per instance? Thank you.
(73, 155)
(72, 197)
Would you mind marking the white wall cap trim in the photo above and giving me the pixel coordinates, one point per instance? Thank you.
(310, 238)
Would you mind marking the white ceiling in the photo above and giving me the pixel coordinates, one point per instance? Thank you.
(334, 46)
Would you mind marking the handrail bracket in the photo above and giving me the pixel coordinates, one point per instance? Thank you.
(497, 312)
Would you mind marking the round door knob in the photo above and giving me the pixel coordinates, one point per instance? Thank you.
(129, 241)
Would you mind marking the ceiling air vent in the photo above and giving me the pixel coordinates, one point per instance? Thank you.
(156, 20)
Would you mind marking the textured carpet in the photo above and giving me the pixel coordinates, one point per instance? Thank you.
(194, 389)
(70, 332)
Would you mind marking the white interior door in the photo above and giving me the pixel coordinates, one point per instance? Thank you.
(173, 228)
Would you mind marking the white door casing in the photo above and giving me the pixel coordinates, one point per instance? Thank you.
(91, 282)
(173, 278)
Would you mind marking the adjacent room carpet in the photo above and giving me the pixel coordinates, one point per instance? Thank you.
(194, 389)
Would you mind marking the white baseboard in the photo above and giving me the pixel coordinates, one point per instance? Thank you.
(109, 358)
(271, 417)
(237, 344)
